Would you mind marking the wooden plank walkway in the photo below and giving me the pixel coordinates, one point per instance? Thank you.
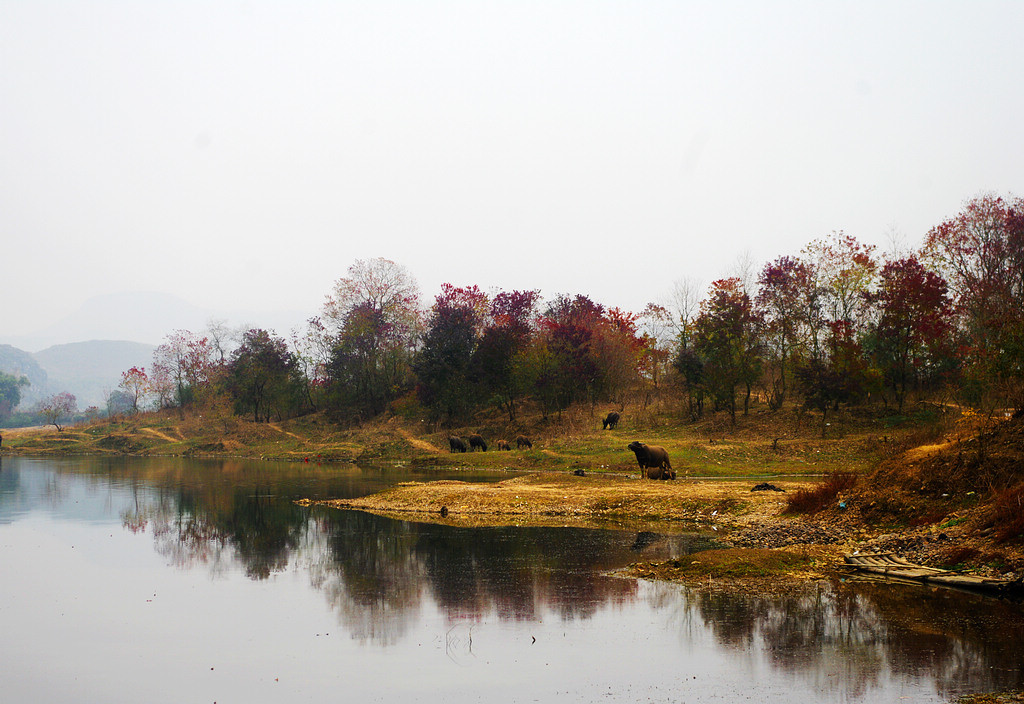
(888, 565)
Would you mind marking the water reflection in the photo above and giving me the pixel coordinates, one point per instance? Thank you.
(383, 577)
(854, 636)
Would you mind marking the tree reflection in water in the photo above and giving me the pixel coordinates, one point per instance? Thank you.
(852, 636)
(377, 571)
(380, 574)
(192, 528)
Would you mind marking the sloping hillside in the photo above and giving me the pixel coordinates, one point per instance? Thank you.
(21, 363)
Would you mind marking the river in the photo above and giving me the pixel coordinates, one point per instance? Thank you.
(176, 580)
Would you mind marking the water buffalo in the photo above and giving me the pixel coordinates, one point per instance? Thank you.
(456, 444)
(503, 445)
(654, 459)
(523, 441)
(476, 441)
(610, 421)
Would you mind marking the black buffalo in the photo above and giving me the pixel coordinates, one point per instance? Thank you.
(476, 441)
(653, 459)
(610, 421)
(456, 444)
(523, 441)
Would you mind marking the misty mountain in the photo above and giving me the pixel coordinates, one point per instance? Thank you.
(20, 363)
(147, 317)
(85, 352)
(91, 370)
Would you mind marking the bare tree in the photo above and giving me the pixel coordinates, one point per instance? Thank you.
(684, 305)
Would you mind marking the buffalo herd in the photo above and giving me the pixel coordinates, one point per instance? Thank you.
(653, 459)
(457, 444)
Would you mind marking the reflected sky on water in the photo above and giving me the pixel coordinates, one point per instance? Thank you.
(171, 580)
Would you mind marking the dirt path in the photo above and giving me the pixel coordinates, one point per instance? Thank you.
(160, 435)
(279, 429)
(416, 442)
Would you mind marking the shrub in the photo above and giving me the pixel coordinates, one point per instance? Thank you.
(1006, 515)
(822, 496)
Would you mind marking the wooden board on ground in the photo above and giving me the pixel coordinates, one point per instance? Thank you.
(888, 565)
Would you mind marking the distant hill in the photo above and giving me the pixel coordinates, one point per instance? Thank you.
(147, 317)
(91, 370)
(143, 316)
(19, 363)
(86, 351)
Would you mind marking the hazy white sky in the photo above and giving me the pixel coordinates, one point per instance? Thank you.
(244, 154)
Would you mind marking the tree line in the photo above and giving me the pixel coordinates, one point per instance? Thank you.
(834, 325)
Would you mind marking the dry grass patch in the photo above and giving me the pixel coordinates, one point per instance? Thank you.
(534, 496)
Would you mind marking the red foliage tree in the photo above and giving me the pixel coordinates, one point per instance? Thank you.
(500, 362)
(980, 252)
(371, 323)
(58, 407)
(593, 352)
(136, 384)
(782, 304)
(180, 366)
(443, 362)
(911, 338)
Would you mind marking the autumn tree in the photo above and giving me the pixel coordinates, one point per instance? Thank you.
(364, 372)
(313, 349)
(443, 363)
(980, 253)
(781, 302)
(222, 339)
(58, 407)
(910, 341)
(571, 371)
(726, 340)
(372, 320)
(263, 377)
(594, 351)
(684, 307)
(501, 364)
(656, 338)
(135, 383)
(845, 270)
(181, 364)
(621, 353)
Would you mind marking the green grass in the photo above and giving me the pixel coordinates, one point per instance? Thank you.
(762, 444)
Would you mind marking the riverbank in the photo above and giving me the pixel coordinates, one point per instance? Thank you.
(925, 489)
(762, 444)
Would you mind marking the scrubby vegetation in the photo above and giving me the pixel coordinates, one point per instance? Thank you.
(823, 495)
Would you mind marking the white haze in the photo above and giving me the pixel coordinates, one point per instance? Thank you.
(241, 155)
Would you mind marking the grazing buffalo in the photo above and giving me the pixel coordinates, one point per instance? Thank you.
(610, 421)
(523, 441)
(653, 459)
(503, 445)
(476, 441)
(456, 444)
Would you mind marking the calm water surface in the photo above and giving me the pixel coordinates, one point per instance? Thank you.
(128, 580)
